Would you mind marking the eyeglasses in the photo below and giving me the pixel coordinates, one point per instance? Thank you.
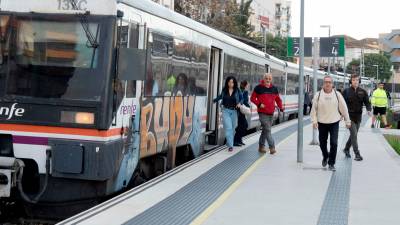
(328, 82)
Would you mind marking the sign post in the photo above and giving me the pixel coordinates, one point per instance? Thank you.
(301, 89)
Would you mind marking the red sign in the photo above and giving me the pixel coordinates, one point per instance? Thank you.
(264, 21)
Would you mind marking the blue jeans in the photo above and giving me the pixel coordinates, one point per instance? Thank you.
(229, 117)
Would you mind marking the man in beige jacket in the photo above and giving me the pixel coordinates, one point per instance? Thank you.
(328, 109)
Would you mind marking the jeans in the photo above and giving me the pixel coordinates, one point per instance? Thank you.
(333, 130)
(266, 124)
(241, 128)
(355, 126)
(229, 117)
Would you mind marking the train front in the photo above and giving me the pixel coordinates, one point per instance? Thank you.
(56, 110)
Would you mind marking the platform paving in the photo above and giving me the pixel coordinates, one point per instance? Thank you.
(281, 191)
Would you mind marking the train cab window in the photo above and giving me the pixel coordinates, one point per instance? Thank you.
(129, 38)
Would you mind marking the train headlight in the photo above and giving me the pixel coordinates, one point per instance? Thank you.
(77, 117)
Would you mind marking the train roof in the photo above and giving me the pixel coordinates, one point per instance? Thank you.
(163, 12)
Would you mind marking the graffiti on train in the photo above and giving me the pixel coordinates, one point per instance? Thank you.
(166, 123)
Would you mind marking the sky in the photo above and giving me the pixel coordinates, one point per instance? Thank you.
(356, 18)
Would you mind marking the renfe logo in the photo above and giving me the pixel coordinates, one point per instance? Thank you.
(13, 111)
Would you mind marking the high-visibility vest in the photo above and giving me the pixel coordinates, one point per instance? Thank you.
(379, 98)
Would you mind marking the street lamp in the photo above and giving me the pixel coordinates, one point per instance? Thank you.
(377, 71)
(329, 35)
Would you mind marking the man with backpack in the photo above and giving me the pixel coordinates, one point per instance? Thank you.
(356, 98)
(327, 111)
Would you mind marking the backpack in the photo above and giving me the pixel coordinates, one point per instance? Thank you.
(319, 94)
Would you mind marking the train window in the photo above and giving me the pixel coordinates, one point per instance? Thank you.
(292, 84)
(181, 68)
(198, 78)
(159, 78)
(278, 79)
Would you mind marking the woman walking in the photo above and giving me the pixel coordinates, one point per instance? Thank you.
(232, 98)
(241, 129)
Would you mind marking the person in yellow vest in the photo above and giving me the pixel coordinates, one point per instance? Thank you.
(379, 101)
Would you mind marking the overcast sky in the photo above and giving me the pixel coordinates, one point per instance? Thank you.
(357, 18)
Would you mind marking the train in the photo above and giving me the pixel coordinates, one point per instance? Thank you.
(97, 96)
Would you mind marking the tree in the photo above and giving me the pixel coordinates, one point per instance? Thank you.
(242, 19)
(227, 16)
(277, 46)
(370, 70)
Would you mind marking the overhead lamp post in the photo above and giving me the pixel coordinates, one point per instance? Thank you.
(377, 72)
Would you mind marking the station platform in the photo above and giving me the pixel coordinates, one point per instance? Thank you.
(245, 187)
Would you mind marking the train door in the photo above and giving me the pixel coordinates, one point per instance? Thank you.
(213, 91)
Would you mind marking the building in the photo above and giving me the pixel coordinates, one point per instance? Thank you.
(272, 16)
(391, 43)
(167, 3)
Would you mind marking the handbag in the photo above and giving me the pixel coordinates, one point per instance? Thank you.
(245, 110)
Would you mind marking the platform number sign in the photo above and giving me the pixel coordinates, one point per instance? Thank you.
(293, 47)
(332, 47)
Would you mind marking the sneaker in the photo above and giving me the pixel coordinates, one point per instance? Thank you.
(272, 151)
(372, 125)
(230, 149)
(242, 143)
(332, 168)
(261, 149)
(324, 162)
(347, 153)
(358, 157)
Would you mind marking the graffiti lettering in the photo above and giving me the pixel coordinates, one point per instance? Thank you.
(147, 139)
(166, 127)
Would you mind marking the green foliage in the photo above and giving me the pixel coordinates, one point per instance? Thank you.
(394, 141)
(228, 16)
(370, 70)
(242, 19)
(277, 46)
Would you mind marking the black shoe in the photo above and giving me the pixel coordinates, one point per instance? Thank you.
(236, 144)
(372, 125)
(358, 157)
(324, 162)
(347, 153)
(332, 168)
(242, 143)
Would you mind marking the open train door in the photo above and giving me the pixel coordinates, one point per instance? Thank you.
(213, 90)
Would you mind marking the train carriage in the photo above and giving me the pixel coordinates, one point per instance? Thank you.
(97, 96)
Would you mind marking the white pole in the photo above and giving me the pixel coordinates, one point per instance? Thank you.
(315, 84)
(301, 89)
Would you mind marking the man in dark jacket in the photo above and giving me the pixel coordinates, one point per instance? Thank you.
(264, 96)
(355, 98)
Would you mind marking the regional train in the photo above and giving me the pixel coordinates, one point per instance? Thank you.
(100, 95)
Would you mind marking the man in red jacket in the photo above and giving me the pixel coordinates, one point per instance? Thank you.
(264, 97)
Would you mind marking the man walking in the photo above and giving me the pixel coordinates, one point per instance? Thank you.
(264, 97)
(379, 101)
(327, 111)
(355, 98)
